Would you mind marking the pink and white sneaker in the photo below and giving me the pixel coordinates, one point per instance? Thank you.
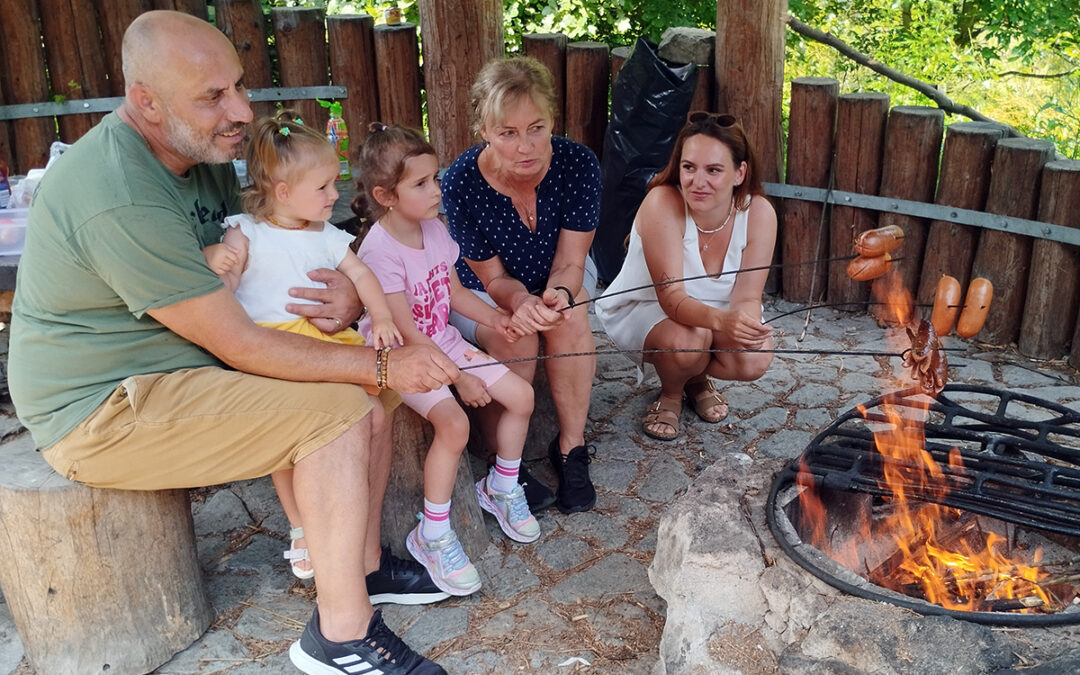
(445, 561)
(510, 509)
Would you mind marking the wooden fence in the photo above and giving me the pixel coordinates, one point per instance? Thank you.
(851, 143)
(855, 144)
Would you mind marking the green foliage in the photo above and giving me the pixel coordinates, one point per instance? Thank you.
(615, 22)
(981, 53)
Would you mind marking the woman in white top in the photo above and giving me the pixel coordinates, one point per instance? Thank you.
(705, 213)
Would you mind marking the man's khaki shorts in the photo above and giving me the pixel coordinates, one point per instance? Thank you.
(202, 427)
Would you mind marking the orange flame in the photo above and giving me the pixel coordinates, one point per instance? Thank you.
(935, 557)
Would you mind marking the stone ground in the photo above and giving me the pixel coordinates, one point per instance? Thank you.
(580, 598)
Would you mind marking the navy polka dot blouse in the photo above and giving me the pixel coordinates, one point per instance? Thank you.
(485, 223)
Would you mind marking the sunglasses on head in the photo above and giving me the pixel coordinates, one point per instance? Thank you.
(720, 120)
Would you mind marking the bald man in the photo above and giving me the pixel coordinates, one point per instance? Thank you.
(134, 368)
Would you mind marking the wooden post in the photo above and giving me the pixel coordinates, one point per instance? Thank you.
(458, 39)
(193, 7)
(300, 36)
(550, 50)
(243, 23)
(964, 182)
(587, 100)
(78, 70)
(397, 62)
(805, 236)
(352, 64)
(114, 16)
(619, 55)
(1003, 257)
(703, 93)
(7, 150)
(405, 491)
(912, 149)
(24, 59)
(1054, 283)
(860, 138)
(97, 580)
(750, 74)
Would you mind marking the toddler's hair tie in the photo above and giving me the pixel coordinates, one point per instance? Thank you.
(284, 131)
(299, 121)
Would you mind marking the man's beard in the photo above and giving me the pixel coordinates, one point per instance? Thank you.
(201, 150)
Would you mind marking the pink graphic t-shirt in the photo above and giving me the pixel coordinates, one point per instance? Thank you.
(422, 274)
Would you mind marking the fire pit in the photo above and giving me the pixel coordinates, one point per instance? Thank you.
(967, 505)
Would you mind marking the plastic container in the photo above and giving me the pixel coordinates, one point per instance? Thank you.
(13, 230)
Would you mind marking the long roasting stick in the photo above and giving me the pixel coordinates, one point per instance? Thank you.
(604, 352)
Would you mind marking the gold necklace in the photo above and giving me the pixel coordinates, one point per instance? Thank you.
(522, 207)
(303, 226)
(731, 210)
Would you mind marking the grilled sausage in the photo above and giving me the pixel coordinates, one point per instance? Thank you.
(878, 242)
(946, 304)
(865, 269)
(976, 306)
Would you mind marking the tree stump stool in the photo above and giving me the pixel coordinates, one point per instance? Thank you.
(97, 580)
(405, 491)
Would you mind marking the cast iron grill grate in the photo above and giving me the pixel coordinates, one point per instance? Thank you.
(1021, 464)
(1021, 454)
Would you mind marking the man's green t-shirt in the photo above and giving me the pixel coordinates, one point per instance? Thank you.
(112, 234)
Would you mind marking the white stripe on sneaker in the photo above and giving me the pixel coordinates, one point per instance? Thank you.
(349, 663)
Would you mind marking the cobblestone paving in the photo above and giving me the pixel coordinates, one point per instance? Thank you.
(581, 593)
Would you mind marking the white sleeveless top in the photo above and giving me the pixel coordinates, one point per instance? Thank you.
(280, 259)
(628, 317)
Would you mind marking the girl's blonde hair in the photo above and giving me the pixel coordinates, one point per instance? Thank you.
(382, 163)
(281, 148)
(505, 81)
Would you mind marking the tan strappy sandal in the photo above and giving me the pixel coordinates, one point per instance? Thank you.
(662, 412)
(706, 401)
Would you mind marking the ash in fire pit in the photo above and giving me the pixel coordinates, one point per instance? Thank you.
(978, 518)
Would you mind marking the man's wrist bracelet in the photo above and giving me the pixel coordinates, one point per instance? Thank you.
(382, 360)
(569, 295)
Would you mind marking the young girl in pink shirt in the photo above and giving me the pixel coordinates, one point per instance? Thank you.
(413, 256)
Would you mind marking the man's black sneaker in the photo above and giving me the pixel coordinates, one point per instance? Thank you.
(576, 491)
(537, 494)
(403, 582)
(380, 651)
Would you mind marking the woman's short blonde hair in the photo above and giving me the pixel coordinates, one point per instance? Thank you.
(504, 81)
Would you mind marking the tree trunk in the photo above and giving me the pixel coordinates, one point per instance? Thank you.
(78, 71)
(302, 62)
(352, 64)
(860, 138)
(1054, 284)
(810, 142)
(750, 74)
(97, 580)
(458, 39)
(550, 50)
(24, 59)
(1003, 257)
(912, 149)
(114, 16)
(587, 99)
(243, 23)
(405, 491)
(397, 60)
(964, 182)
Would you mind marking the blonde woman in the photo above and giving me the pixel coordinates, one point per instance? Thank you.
(523, 206)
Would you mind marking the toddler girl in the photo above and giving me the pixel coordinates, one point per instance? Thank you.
(412, 254)
(281, 237)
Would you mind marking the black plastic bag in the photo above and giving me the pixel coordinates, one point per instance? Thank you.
(649, 103)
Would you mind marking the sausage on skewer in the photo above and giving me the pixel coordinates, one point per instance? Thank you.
(946, 304)
(976, 306)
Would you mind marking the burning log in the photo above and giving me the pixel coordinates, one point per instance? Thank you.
(1012, 604)
(925, 359)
